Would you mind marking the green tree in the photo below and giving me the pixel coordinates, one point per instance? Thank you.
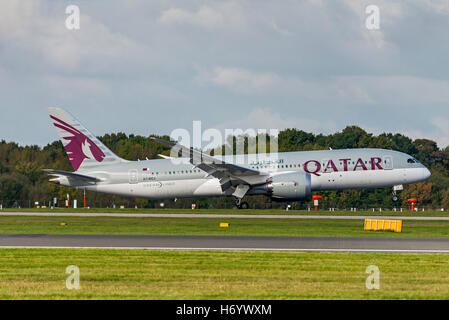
(13, 187)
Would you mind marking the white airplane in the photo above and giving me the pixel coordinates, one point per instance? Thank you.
(286, 176)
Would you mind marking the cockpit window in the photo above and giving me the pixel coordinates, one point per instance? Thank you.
(410, 160)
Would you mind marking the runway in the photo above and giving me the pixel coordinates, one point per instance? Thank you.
(206, 215)
(234, 243)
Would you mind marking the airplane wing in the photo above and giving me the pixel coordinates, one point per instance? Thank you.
(233, 178)
(73, 175)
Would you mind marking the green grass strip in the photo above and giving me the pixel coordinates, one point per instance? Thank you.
(148, 274)
(210, 226)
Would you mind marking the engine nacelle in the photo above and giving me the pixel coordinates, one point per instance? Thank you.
(290, 186)
(286, 186)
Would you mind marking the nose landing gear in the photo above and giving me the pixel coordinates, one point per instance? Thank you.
(395, 197)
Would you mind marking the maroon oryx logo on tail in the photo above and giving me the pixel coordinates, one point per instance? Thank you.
(79, 147)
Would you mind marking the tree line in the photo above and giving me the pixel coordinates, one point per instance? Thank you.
(22, 181)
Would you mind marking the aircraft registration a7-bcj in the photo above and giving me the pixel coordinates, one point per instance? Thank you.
(292, 176)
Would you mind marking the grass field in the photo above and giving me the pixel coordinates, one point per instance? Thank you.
(167, 274)
(143, 274)
(248, 211)
(210, 226)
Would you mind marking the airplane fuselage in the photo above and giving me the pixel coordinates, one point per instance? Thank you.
(326, 170)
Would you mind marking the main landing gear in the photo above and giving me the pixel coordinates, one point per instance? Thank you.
(240, 205)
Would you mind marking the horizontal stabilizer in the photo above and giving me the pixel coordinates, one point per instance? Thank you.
(72, 175)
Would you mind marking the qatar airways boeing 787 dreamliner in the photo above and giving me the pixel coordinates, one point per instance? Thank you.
(286, 176)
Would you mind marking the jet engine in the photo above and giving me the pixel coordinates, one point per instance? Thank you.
(286, 186)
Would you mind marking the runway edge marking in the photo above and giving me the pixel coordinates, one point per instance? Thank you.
(233, 249)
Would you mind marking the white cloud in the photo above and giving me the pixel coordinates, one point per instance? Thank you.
(318, 3)
(264, 118)
(437, 6)
(69, 87)
(25, 27)
(364, 90)
(393, 90)
(239, 79)
(441, 131)
(389, 12)
(222, 15)
(313, 59)
(438, 131)
(280, 30)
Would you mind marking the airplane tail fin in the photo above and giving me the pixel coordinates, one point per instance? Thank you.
(84, 150)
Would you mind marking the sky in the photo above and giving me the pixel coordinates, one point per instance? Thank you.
(150, 67)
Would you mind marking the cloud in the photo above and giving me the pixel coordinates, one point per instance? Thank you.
(280, 30)
(441, 131)
(239, 79)
(389, 13)
(264, 118)
(366, 90)
(437, 6)
(69, 87)
(310, 64)
(30, 30)
(217, 16)
(394, 89)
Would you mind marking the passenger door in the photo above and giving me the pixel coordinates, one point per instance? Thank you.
(388, 162)
(133, 176)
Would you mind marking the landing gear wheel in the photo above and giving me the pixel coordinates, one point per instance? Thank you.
(397, 188)
(240, 205)
(244, 205)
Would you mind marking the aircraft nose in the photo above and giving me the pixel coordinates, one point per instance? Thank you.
(426, 173)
